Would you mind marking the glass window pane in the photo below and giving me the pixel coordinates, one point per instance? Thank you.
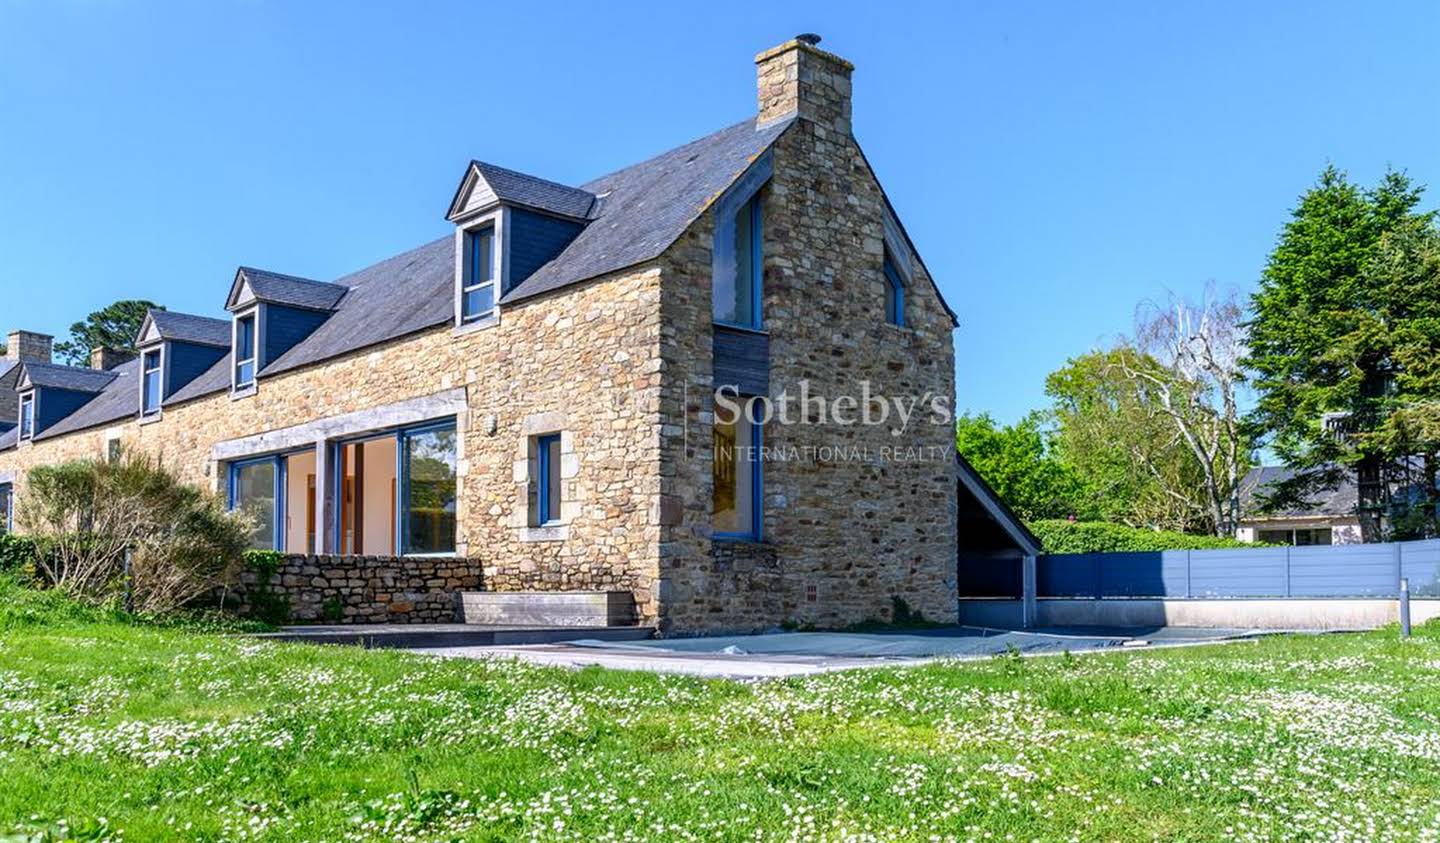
(430, 493)
(894, 295)
(479, 301)
(6, 496)
(733, 472)
(735, 285)
(245, 372)
(245, 339)
(481, 257)
(27, 416)
(255, 496)
(152, 390)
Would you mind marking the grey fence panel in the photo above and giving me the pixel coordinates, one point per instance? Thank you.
(1069, 574)
(1144, 574)
(1358, 570)
(1243, 572)
(1420, 562)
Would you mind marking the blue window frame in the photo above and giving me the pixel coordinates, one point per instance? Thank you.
(477, 293)
(258, 487)
(245, 350)
(739, 262)
(739, 482)
(547, 493)
(150, 388)
(27, 416)
(425, 479)
(894, 294)
(7, 508)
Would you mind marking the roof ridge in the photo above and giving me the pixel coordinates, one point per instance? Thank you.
(287, 277)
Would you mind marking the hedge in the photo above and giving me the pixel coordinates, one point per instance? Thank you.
(1101, 537)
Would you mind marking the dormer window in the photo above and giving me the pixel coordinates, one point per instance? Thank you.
(245, 351)
(150, 383)
(27, 416)
(477, 293)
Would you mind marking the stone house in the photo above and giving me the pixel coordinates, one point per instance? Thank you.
(543, 399)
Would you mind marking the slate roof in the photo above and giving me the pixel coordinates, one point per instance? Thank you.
(185, 327)
(277, 288)
(9, 438)
(55, 376)
(522, 189)
(1339, 501)
(644, 208)
(636, 213)
(119, 401)
(6, 364)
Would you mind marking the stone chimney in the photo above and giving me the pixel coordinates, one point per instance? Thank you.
(104, 359)
(28, 346)
(799, 77)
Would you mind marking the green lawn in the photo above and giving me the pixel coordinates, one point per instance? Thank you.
(110, 730)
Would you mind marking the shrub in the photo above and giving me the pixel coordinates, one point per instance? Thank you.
(85, 515)
(1101, 537)
(17, 554)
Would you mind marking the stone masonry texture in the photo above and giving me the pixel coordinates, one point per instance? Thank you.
(622, 367)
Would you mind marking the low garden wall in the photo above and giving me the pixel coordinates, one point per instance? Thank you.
(354, 589)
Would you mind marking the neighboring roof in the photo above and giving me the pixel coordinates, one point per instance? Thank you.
(517, 188)
(119, 401)
(9, 438)
(185, 327)
(646, 207)
(55, 376)
(997, 509)
(1339, 501)
(6, 364)
(292, 290)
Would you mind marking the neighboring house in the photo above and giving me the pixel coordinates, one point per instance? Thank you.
(529, 398)
(1327, 518)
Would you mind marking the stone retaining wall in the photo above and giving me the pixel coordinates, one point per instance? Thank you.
(362, 589)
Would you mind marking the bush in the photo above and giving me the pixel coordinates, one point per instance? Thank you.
(84, 517)
(17, 554)
(1102, 537)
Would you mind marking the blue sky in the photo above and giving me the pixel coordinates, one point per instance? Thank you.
(1056, 163)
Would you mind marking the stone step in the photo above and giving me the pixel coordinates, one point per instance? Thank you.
(437, 635)
(548, 608)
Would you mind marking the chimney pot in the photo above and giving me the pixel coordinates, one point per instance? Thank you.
(28, 346)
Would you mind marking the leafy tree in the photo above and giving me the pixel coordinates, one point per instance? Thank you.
(1014, 461)
(113, 327)
(1112, 436)
(1330, 317)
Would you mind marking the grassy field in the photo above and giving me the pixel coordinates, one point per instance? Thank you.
(113, 730)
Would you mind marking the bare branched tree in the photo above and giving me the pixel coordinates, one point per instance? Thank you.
(1187, 357)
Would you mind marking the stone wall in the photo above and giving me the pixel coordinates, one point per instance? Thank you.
(583, 363)
(848, 534)
(361, 589)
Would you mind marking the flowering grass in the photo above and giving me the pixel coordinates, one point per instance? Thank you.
(112, 730)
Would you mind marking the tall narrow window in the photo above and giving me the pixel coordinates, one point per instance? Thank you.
(477, 294)
(737, 474)
(245, 350)
(7, 508)
(428, 471)
(27, 416)
(150, 397)
(894, 293)
(255, 490)
(547, 469)
(738, 263)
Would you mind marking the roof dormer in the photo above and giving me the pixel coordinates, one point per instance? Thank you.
(507, 226)
(273, 312)
(49, 393)
(176, 348)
